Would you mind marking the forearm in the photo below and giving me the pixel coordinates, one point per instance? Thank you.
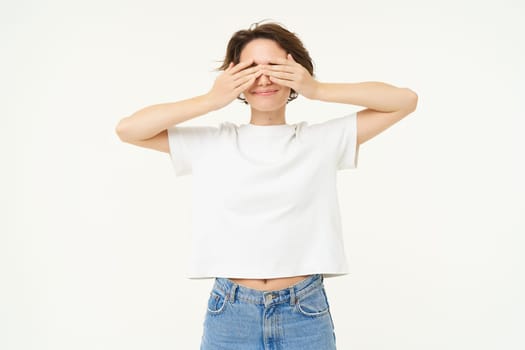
(149, 121)
(371, 94)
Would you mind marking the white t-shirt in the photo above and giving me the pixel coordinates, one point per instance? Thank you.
(265, 199)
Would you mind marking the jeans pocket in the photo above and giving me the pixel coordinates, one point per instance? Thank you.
(313, 303)
(216, 302)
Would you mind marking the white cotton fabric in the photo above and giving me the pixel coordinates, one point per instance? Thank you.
(265, 201)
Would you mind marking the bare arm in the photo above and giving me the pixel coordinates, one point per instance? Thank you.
(375, 95)
(386, 104)
(150, 122)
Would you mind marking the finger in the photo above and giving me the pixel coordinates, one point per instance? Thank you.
(229, 67)
(241, 65)
(280, 68)
(278, 60)
(246, 85)
(284, 82)
(246, 71)
(247, 80)
(280, 74)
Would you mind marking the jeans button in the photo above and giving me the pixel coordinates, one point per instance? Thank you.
(268, 298)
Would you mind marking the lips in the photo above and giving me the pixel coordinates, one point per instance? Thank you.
(265, 92)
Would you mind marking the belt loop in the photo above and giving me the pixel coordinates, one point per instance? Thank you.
(232, 293)
(292, 296)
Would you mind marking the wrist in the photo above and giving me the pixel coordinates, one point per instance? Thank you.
(209, 102)
(317, 90)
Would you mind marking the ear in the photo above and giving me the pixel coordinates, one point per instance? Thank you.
(290, 57)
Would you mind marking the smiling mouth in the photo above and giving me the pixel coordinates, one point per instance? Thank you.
(265, 93)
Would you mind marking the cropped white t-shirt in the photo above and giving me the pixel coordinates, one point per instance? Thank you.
(265, 201)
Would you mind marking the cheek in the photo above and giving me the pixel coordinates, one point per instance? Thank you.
(286, 92)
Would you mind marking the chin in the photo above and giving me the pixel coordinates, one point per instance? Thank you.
(267, 106)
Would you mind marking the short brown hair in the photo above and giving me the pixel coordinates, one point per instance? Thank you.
(276, 32)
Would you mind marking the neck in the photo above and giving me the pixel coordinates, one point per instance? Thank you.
(275, 117)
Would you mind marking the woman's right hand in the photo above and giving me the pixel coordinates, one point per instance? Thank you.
(230, 83)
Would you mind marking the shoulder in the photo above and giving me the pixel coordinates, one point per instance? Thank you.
(332, 125)
(196, 130)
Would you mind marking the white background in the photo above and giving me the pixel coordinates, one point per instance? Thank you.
(95, 232)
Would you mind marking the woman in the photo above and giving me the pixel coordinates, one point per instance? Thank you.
(266, 222)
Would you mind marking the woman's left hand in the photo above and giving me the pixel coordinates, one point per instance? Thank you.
(289, 73)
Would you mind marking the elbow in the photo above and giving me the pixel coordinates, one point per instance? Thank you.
(121, 130)
(412, 98)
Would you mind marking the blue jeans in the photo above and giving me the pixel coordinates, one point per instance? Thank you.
(241, 318)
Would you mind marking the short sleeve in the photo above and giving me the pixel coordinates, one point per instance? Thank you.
(188, 144)
(341, 134)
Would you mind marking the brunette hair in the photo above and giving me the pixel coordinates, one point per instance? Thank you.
(287, 40)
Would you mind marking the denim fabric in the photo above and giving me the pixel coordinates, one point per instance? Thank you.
(241, 318)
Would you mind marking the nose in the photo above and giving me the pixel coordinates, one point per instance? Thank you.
(263, 80)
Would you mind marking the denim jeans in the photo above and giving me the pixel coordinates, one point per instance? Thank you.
(241, 318)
